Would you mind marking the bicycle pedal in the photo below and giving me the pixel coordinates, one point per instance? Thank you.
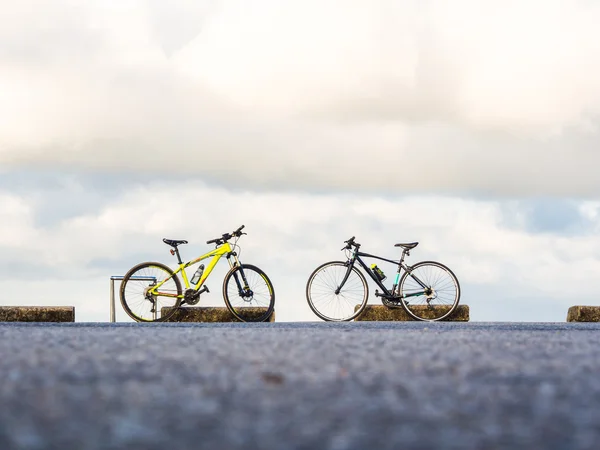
(204, 289)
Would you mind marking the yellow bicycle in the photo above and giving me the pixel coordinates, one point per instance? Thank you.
(152, 292)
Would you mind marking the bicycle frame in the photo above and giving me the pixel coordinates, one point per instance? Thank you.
(386, 293)
(223, 250)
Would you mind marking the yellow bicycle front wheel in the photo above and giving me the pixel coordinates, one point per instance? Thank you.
(248, 293)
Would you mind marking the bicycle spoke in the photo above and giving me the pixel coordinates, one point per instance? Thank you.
(254, 302)
(135, 292)
(325, 302)
(440, 300)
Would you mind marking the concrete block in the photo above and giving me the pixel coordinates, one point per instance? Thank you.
(209, 314)
(37, 314)
(583, 314)
(383, 313)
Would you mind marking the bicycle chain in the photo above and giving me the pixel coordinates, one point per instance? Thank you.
(391, 303)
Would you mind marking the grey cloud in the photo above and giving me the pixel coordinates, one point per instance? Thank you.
(562, 217)
(58, 195)
(427, 159)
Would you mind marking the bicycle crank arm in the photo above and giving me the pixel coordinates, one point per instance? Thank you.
(388, 297)
(203, 289)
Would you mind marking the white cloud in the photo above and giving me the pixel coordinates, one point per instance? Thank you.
(413, 97)
(289, 235)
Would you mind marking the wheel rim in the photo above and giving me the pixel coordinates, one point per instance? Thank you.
(138, 304)
(440, 297)
(254, 302)
(329, 305)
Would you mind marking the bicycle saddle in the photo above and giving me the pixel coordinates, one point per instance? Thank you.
(407, 246)
(173, 242)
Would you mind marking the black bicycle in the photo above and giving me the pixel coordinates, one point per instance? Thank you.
(338, 291)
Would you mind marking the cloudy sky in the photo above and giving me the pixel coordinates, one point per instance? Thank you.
(471, 127)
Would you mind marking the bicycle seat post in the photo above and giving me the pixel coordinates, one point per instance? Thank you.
(404, 253)
(175, 251)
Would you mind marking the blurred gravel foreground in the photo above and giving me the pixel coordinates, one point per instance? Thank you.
(385, 385)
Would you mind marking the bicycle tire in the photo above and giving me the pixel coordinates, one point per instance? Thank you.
(132, 288)
(450, 299)
(321, 285)
(256, 307)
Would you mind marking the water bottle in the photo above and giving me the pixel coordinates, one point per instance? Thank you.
(197, 274)
(378, 272)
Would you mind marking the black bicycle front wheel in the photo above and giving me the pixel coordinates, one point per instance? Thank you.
(136, 300)
(248, 293)
(344, 305)
(437, 300)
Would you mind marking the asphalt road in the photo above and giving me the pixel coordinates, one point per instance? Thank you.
(300, 386)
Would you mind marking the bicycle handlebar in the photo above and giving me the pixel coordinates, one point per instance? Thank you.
(349, 243)
(227, 236)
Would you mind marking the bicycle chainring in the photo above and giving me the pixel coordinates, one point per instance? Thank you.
(391, 303)
(191, 297)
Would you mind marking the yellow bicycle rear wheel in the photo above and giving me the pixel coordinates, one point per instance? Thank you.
(136, 299)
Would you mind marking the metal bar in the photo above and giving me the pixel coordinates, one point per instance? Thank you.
(112, 291)
(112, 299)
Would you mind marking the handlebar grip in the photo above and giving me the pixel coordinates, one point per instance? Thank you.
(349, 243)
(212, 241)
(238, 232)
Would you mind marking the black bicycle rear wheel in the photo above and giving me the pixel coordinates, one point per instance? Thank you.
(139, 304)
(248, 293)
(438, 299)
